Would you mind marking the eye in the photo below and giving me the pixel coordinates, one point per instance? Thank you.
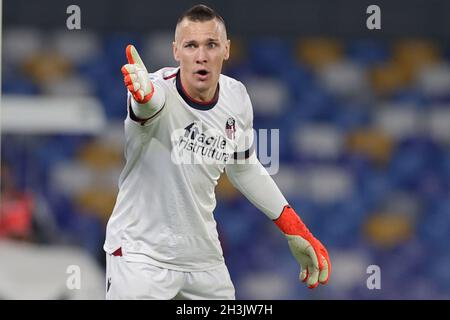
(212, 45)
(189, 45)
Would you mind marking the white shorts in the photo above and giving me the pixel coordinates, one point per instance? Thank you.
(137, 280)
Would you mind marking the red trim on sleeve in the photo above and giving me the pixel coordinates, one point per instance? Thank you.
(170, 77)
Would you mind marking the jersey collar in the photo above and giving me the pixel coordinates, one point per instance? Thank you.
(199, 105)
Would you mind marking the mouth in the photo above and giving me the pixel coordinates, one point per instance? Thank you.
(202, 74)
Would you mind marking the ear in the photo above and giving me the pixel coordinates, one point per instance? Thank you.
(175, 51)
(227, 50)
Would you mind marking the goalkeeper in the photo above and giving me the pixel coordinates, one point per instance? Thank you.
(185, 127)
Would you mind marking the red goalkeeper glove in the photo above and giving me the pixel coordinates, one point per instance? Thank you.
(307, 250)
(136, 77)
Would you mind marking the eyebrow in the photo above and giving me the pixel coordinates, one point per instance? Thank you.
(207, 40)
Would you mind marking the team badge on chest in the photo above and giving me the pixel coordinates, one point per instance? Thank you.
(230, 128)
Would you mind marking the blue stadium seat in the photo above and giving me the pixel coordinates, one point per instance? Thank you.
(270, 56)
(368, 52)
(412, 157)
(341, 223)
(374, 186)
(409, 95)
(113, 96)
(18, 85)
(114, 48)
(434, 227)
(440, 272)
(316, 105)
(97, 70)
(298, 79)
(353, 116)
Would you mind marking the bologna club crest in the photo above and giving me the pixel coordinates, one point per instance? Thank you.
(230, 128)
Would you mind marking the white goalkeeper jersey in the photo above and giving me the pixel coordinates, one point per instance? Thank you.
(164, 209)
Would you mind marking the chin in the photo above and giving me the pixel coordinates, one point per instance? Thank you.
(203, 85)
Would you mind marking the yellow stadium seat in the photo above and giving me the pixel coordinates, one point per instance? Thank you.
(237, 51)
(319, 52)
(388, 229)
(373, 144)
(413, 54)
(97, 202)
(46, 67)
(100, 156)
(225, 190)
(388, 77)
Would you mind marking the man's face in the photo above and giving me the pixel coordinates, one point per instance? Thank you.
(201, 48)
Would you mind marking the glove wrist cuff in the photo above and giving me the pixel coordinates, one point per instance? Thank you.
(291, 224)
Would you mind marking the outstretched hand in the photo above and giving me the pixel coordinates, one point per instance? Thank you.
(136, 76)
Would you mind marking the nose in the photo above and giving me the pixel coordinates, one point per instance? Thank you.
(201, 55)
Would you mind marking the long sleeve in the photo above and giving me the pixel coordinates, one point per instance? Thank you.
(148, 110)
(253, 181)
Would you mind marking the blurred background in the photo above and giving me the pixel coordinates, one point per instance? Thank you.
(364, 120)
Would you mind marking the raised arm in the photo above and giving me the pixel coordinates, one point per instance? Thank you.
(148, 99)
